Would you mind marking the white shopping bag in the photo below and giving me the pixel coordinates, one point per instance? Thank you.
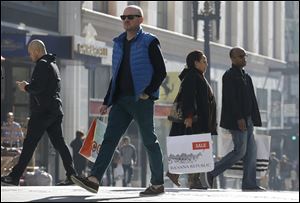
(92, 143)
(118, 171)
(263, 143)
(190, 153)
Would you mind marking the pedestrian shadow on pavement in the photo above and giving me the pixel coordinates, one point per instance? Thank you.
(90, 198)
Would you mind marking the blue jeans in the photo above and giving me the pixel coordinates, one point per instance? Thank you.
(128, 171)
(244, 148)
(120, 116)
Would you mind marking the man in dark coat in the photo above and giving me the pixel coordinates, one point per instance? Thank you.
(46, 113)
(239, 114)
(79, 161)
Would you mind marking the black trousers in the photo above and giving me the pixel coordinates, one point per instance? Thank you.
(37, 126)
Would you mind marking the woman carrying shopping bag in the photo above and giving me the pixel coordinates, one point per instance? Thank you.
(196, 107)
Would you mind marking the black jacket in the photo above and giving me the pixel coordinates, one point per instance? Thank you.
(197, 100)
(44, 87)
(237, 89)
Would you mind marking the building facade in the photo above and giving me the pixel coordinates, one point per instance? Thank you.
(256, 26)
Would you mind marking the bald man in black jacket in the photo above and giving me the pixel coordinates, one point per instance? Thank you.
(46, 113)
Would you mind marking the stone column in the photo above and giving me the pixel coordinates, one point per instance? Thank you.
(116, 8)
(253, 26)
(175, 16)
(237, 20)
(266, 27)
(279, 30)
(70, 17)
(150, 12)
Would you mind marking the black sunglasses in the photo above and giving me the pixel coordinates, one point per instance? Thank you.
(130, 17)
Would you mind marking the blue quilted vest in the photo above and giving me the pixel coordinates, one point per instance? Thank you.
(140, 64)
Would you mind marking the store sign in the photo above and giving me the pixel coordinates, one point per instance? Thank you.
(59, 45)
(13, 45)
(88, 45)
(91, 50)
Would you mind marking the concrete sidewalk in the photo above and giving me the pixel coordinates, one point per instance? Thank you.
(130, 194)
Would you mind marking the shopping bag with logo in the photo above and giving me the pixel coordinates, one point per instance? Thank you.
(91, 145)
(118, 171)
(263, 143)
(190, 153)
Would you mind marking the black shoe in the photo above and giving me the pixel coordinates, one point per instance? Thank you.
(197, 185)
(209, 179)
(173, 178)
(153, 191)
(85, 183)
(254, 189)
(9, 181)
(66, 182)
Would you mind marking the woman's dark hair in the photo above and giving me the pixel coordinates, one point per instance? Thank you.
(192, 57)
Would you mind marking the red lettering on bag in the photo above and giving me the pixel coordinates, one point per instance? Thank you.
(200, 145)
(96, 147)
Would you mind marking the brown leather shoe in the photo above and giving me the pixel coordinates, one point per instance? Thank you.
(197, 185)
(85, 183)
(173, 178)
(153, 191)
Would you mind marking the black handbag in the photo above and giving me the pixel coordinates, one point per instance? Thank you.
(176, 114)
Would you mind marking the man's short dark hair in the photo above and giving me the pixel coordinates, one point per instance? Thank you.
(79, 133)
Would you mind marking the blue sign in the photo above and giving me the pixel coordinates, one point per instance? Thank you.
(13, 45)
(59, 45)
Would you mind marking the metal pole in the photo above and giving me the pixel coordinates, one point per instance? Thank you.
(195, 18)
(206, 47)
(206, 15)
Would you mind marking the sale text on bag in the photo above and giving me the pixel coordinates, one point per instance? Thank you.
(195, 157)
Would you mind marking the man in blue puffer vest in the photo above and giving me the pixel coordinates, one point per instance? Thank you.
(138, 70)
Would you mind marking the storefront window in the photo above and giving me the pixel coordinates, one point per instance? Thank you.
(275, 108)
(99, 79)
(12, 99)
(20, 99)
(262, 100)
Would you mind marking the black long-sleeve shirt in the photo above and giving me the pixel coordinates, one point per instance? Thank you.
(125, 84)
(124, 80)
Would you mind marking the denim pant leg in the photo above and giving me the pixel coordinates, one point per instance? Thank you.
(249, 160)
(118, 121)
(239, 139)
(143, 115)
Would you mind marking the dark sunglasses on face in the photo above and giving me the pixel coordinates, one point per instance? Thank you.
(130, 17)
